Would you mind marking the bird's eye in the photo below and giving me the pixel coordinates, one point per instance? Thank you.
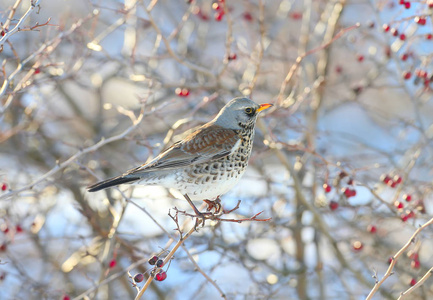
(249, 111)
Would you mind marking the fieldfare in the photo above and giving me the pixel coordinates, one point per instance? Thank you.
(208, 162)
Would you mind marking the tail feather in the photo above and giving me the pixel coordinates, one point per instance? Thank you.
(111, 182)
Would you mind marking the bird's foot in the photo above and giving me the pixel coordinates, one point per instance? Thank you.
(200, 219)
(215, 205)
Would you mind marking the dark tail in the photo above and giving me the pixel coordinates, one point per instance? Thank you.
(111, 182)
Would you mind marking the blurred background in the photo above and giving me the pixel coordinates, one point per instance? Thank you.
(342, 163)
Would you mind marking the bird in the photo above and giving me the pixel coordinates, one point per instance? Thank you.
(205, 164)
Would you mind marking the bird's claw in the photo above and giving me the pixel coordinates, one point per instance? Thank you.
(199, 217)
(216, 205)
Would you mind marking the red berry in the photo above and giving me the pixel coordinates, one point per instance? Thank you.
(421, 73)
(397, 179)
(232, 56)
(350, 181)
(247, 16)
(360, 58)
(159, 263)
(394, 31)
(201, 14)
(392, 184)
(415, 264)
(3, 247)
(404, 57)
(407, 5)
(66, 297)
(429, 36)
(390, 260)
(404, 217)
(5, 228)
(216, 6)
(327, 187)
(352, 193)
(406, 76)
(357, 246)
(153, 260)
(412, 282)
(4, 187)
(219, 16)
(296, 15)
(371, 228)
(185, 92)
(182, 92)
(430, 4)
(386, 27)
(410, 214)
(385, 179)
(402, 36)
(139, 277)
(420, 20)
(347, 192)
(2, 33)
(333, 205)
(18, 229)
(161, 276)
(112, 263)
(407, 197)
(413, 255)
(398, 204)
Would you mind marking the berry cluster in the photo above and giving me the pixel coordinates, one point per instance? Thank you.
(218, 7)
(348, 192)
(406, 4)
(182, 92)
(391, 181)
(156, 261)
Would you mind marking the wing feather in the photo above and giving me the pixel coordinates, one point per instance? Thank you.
(207, 143)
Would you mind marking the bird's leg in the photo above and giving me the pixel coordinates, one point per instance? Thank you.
(198, 214)
(215, 204)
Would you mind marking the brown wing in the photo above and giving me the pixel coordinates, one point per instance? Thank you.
(206, 143)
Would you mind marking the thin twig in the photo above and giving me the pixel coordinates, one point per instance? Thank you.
(74, 157)
(301, 57)
(417, 285)
(8, 34)
(395, 257)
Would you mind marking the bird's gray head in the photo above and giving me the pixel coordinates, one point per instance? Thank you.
(239, 113)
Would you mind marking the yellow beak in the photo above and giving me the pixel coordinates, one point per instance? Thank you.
(264, 106)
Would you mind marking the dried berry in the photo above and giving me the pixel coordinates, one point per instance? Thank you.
(152, 261)
(139, 277)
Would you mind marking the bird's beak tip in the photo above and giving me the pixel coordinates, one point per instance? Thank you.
(264, 106)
